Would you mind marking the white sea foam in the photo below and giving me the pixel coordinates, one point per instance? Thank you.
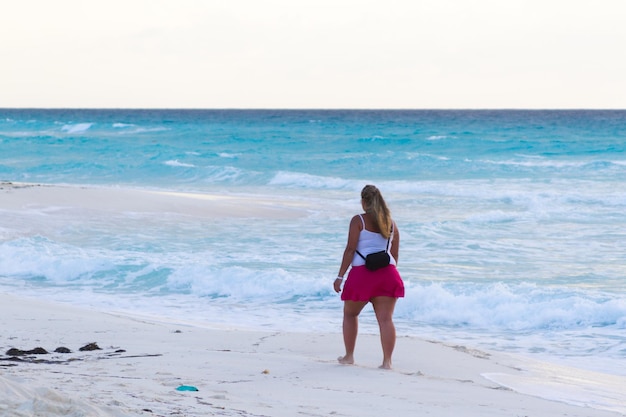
(513, 306)
(417, 155)
(77, 128)
(539, 162)
(177, 163)
(570, 385)
(57, 263)
(140, 130)
(219, 174)
(296, 179)
(227, 155)
(122, 125)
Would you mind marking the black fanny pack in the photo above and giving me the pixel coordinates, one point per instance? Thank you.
(377, 260)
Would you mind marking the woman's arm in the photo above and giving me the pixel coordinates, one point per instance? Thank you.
(395, 243)
(348, 253)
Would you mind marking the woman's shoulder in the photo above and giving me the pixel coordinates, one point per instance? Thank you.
(357, 218)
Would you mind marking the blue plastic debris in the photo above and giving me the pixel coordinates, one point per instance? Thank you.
(186, 388)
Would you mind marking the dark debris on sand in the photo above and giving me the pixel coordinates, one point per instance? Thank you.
(15, 355)
(90, 347)
(8, 185)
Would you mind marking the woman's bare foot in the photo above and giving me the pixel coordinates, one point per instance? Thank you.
(385, 365)
(346, 360)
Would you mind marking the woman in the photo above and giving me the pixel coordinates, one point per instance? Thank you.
(370, 232)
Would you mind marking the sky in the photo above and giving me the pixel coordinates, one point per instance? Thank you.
(313, 54)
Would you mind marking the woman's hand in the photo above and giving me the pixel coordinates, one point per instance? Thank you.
(337, 284)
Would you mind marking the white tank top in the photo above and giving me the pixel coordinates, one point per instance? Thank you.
(370, 242)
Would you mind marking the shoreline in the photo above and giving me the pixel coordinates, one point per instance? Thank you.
(142, 362)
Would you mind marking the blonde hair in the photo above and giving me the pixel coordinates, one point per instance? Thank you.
(374, 203)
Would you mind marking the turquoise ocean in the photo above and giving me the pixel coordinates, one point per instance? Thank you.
(513, 223)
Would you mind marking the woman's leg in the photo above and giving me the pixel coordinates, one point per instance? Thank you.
(351, 311)
(383, 307)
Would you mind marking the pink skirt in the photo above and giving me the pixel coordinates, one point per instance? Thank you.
(363, 284)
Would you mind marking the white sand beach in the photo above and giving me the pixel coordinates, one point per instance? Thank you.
(33, 196)
(240, 372)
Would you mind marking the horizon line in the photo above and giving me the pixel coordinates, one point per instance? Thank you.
(330, 108)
